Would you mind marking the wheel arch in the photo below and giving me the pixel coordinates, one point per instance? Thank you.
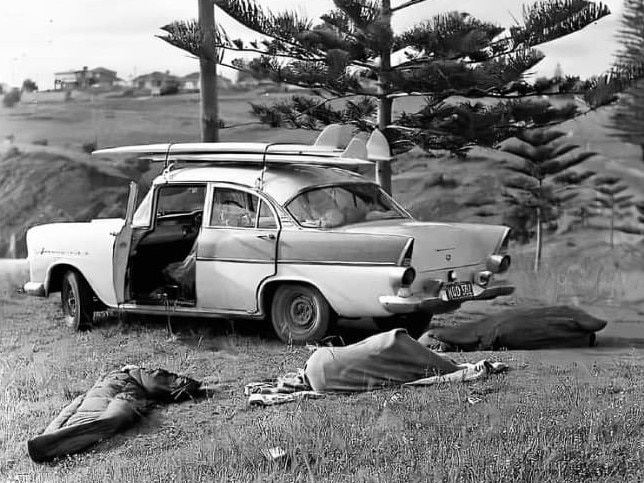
(268, 289)
(55, 274)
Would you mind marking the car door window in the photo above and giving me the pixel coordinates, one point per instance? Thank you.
(233, 208)
(180, 199)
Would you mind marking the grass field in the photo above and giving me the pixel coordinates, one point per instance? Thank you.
(558, 415)
(575, 415)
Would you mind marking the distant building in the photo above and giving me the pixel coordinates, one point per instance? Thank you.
(191, 82)
(157, 83)
(85, 78)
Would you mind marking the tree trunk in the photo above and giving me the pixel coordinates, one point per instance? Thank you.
(383, 168)
(208, 74)
(537, 255)
(612, 225)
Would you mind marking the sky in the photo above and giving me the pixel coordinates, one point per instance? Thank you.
(41, 37)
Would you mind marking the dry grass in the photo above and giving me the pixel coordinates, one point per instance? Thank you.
(557, 416)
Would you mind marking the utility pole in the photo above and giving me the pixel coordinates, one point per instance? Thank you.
(383, 167)
(208, 74)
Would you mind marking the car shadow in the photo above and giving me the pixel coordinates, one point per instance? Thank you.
(203, 331)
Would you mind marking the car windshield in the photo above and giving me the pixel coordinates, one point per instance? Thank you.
(334, 206)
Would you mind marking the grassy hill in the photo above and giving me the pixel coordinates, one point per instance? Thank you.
(46, 175)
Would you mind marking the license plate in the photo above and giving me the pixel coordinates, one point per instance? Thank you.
(459, 290)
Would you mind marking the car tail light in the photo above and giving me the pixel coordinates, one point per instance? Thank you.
(405, 260)
(503, 247)
(498, 263)
(408, 277)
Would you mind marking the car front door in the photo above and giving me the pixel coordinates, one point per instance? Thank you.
(121, 252)
(237, 250)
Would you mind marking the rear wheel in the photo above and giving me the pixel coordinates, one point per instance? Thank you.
(300, 314)
(415, 324)
(77, 300)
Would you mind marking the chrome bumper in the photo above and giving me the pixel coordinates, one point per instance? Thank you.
(396, 304)
(35, 288)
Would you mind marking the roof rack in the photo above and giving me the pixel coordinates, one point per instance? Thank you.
(325, 151)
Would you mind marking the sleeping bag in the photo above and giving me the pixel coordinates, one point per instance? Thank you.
(519, 329)
(113, 404)
(386, 359)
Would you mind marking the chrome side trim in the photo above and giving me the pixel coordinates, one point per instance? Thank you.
(191, 311)
(297, 262)
(235, 260)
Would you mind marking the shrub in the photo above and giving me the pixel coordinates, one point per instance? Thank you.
(169, 90)
(11, 98)
(29, 86)
(41, 142)
(89, 147)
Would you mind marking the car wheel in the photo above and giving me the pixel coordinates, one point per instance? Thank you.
(415, 324)
(300, 314)
(77, 300)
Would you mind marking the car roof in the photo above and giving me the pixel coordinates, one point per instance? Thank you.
(281, 181)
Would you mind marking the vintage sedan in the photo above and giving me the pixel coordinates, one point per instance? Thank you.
(288, 233)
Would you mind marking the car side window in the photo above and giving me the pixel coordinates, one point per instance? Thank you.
(180, 199)
(266, 219)
(235, 208)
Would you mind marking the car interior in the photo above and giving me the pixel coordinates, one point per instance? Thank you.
(163, 255)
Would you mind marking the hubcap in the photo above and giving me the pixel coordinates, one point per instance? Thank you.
(70, 301)
(302, 311)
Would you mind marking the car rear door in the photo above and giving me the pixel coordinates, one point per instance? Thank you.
(237, 249)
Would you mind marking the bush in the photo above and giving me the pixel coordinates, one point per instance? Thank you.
(89, 147)
(169, 90)
(11, 98)
(41, 142)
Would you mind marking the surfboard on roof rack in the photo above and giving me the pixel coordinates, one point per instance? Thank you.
(325, 151)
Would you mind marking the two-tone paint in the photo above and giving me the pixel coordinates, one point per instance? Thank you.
(358, 268)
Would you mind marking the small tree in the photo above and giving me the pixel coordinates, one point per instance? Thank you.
(353, 51)
(29, 86)
(11, 98)
(628, 117)
(611, 197)
(541, 183)
(639, 206)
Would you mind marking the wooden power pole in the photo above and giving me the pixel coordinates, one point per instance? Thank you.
(208, 74)
(383, 167)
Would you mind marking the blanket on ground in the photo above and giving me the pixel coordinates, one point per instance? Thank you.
(113, 404)
(519, 329)
(388, 359)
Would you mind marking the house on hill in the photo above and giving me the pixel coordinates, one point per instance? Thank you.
(191, 83)
(86, 78)
(157, 83)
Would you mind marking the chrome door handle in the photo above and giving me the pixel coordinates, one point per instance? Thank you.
(266, 236)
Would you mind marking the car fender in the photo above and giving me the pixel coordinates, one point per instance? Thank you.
(343, 287)
(54, 277)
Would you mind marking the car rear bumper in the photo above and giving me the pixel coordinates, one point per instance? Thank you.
(35, 288)
(396, 304)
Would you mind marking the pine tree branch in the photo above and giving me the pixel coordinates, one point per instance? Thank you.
(407, 4)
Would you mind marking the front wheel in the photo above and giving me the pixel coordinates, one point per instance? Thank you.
(300, 314)
(77, 300)
(415, 324)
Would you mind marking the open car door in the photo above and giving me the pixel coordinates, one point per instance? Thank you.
(122, 244)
